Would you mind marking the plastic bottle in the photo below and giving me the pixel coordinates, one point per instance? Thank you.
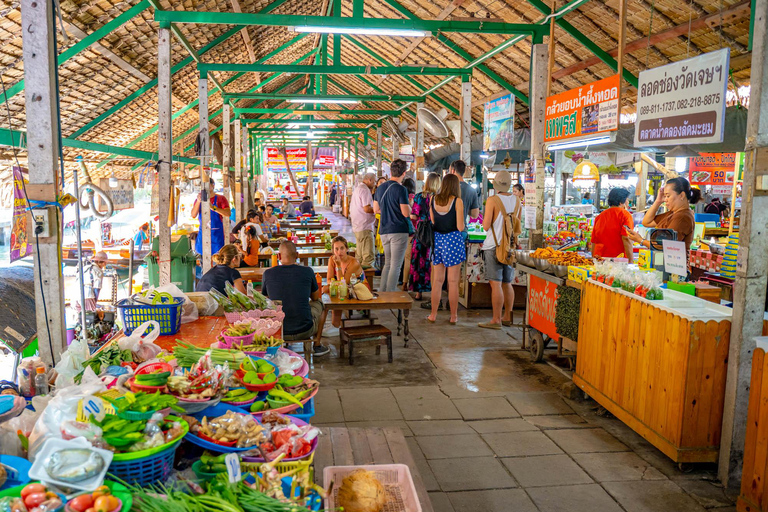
(333, 288)
(41, 382)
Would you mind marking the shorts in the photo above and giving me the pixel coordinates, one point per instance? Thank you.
(449, 249)
(316, 307)
(495, 271)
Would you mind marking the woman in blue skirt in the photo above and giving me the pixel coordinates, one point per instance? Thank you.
(449, 251)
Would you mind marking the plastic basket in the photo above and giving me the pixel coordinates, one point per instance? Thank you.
(305, 413)
(396, 479)
(281, 467)
(21, 468)
(167, 315)
(227, 341)
(147, 470)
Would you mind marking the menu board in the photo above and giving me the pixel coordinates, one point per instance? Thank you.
(683, 102)
(586, 110)
(712, 169)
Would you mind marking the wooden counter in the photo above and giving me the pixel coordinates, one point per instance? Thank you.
(753, 496)
(659, 371)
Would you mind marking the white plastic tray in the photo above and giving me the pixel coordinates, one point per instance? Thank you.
(53, 445)
(396, 479)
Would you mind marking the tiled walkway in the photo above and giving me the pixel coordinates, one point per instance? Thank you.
(490, 431)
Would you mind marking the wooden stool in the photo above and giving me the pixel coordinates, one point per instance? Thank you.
(353, 335)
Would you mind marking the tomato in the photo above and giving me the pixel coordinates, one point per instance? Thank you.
(91, 510)
(32, 488)
(105, 504)
(34, 499)
(81, 503)
(101, 491)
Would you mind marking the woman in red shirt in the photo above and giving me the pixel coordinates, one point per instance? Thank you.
(609, 234)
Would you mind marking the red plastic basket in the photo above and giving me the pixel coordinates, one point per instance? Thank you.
(154, 367)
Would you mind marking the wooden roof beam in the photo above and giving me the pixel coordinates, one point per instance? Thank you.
(713, 20)
(244, 32)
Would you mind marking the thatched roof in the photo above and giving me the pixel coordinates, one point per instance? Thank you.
(109, 73)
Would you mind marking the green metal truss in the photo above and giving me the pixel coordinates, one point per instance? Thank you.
(304, 111)
(286, 20)
(328, 97)
(206, 68)
(318, 122)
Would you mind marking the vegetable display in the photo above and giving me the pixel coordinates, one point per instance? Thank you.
(241, 328)
(110, 356)
(236, 301)
(122, 435)
(232, 429)
(567, 312)
(289, 390)
(187, 355)
(101, 500)
(144, 402)
(260, 343)
(34, 498)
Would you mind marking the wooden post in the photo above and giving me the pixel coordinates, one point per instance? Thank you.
(225, 168)
(164, 150)
(43, 159)
(622, 41)
(641, 168)
(551, 66)
(538, 104)
(379, 142)
(205, 204)
(732, 214)
(240, 176)
(752, 263)
(466, 123)
(395, 147)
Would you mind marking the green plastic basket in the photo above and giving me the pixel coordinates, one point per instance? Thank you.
(138, 416)
(122, 457)
(202, 475)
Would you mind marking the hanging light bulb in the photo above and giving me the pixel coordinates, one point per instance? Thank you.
(113, 180)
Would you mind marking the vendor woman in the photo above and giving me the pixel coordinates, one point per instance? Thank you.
(609, 235)
(219, 210)
(342, 266)
(227, 260)
(678, 196)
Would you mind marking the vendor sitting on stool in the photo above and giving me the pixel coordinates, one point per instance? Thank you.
(227, 260)
(296, 286)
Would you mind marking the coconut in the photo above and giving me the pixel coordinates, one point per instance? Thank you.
(361, 492)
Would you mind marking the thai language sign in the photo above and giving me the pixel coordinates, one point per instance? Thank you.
(712, 169)
(542, 304)
(499, 123)
(20, 247)
(121, 195)
(297, 159)
(586, 110)
(326, 160)
(683, 102)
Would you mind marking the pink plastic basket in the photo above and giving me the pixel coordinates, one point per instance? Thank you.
(227, 341)
(396, 479)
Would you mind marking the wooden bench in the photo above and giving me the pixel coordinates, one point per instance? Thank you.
(339, 446)
(362, 333)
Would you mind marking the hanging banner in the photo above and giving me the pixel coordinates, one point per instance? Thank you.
(683, 102)
(297, 158)
(712, 169)
(499, 124)
(19, 246)
(329, 160)
(586, 110)
(122, 195)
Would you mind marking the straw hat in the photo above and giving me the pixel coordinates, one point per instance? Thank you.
(100, 256)
(502, 181)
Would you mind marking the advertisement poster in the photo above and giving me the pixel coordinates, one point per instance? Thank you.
(20, 247)
(587, 110)
(529, 210)
(297, 158)
(499, 123)
(712, 169)
(542, 304)
(329, 160)
(529, 174)
(683, 102)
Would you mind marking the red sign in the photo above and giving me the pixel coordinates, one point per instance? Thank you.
(327, 160)
(542, 304)
(297, 158)
(712, 169)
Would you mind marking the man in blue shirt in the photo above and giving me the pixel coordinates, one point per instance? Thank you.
(296, 286)
(391, 203)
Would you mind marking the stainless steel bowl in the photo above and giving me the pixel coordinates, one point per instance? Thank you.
(560, 270)
(524, 257)
(541, 264)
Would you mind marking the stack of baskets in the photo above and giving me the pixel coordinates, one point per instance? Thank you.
(165, 310)
(728, 266)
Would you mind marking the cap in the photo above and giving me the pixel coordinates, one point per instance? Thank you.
(502, 181)
(40, 369)
(100, 256)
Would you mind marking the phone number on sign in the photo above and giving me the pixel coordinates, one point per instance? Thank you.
(670, 106)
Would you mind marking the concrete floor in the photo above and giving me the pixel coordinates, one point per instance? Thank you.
(491, 432)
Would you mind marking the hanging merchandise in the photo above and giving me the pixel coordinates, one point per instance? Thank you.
(19, 246)
(89, 190)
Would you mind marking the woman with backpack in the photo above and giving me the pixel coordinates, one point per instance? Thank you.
(448, 250)
(502, 223)
(421, 266)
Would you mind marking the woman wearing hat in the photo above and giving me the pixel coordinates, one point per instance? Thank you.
(93, 276)
(499, 274)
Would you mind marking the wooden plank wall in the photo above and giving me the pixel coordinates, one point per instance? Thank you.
(660, 373)
(755, 469)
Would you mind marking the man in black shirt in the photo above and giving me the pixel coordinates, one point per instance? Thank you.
(306, 206)
(296, 286)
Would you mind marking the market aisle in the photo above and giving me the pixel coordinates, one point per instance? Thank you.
(490, 430)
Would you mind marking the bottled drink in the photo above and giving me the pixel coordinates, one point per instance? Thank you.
(41, 382)
(342, 289)
(274, 259)
(333, 288)
(319, 280)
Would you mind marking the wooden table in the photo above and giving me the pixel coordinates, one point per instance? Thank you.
(383, 300)
(303, 232)
(301, 244)
(200, 333)
(256, 274)
(313, 226)
(339, 446)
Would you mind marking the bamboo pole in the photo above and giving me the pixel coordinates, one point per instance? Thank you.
(551, 65)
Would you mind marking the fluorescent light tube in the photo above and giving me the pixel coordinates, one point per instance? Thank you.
(363, 31)
(323, 100)
(579, 143)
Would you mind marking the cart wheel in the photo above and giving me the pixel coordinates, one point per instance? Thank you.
(537, 342)
(686, 467)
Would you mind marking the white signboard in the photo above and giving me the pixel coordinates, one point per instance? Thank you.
(529, 211)
(675, 257)
(722, 190)
(121, 195)
(683, 102)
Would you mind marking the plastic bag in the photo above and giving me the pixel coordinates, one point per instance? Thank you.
(137, 336)
(189, 311)
(61, 408)
(71, 363)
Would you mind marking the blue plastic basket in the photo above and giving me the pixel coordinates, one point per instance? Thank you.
(145, 471)
(21, 474)
(304, 413)
(167, 315)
